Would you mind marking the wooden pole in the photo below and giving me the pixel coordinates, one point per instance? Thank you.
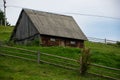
(105, 41)
(5, 12)
(38, 57)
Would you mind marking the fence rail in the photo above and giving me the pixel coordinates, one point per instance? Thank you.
(106, 41)
(38, 58)
(105, 67)
(4, 54)
(105, 74)
(108, 77)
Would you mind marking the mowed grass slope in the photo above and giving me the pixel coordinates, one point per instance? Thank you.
(17, 69)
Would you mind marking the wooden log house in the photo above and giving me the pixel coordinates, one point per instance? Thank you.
(51, 29)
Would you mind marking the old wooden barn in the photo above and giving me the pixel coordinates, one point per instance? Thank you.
(51, 29)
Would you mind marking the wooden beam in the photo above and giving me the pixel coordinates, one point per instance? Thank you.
(101, 66)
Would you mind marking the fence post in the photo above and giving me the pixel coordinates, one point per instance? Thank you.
(38, 57)
(105, 41)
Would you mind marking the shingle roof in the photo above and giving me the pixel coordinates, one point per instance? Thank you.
(55, 24)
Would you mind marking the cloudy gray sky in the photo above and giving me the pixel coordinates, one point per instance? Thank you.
(100, 27)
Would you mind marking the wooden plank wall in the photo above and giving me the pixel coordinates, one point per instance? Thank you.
(25, 28)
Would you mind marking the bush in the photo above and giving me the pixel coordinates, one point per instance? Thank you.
(85, 61)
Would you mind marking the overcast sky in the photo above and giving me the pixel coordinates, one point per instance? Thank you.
(92, 26)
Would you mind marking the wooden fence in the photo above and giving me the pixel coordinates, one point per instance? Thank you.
(104, 71)
(60, 61)
(106, 41)
(38, 57)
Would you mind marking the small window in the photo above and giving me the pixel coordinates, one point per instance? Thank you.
(72, 42)
(52, 39)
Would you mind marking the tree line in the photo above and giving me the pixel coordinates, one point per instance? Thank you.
(2, 18)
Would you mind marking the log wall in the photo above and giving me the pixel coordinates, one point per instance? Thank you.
(57, 41)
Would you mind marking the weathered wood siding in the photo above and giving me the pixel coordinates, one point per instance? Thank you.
(46, 41)
(25, 28)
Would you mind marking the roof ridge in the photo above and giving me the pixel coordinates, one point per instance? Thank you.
(46, 12)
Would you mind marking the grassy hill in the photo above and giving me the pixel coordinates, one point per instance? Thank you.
(5, 33)
(17, 69)
(108, 55)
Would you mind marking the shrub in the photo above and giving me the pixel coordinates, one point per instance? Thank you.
(85, 61)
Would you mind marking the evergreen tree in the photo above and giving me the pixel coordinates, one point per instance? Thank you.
(2, 18)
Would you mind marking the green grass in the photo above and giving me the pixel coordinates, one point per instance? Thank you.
(61, 51)
(103, 54)
(5, 33)
(17, 69)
